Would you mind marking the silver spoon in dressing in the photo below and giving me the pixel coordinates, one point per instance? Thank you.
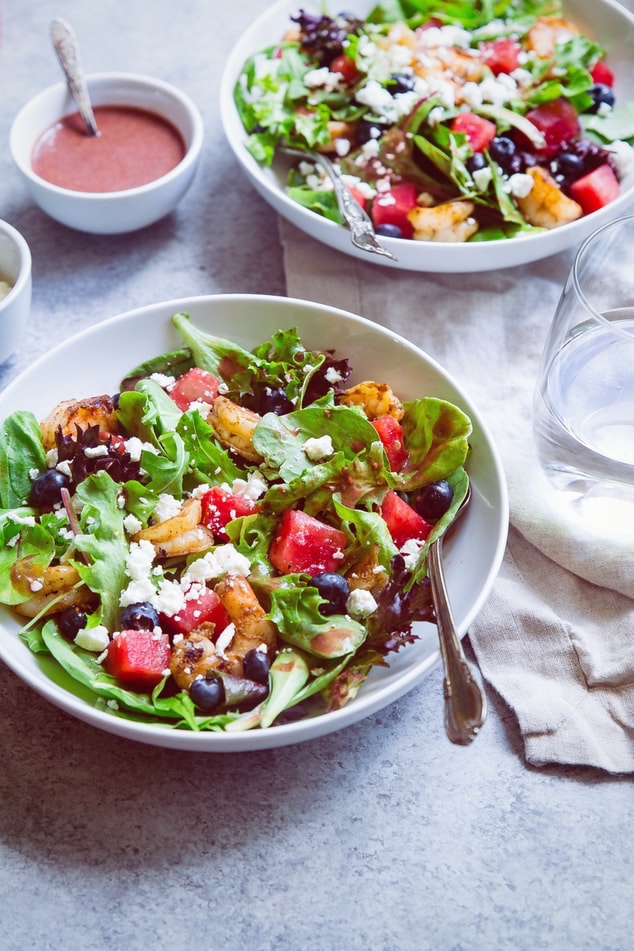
(67, 49)
(465, 701)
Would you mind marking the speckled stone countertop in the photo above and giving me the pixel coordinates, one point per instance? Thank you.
(383, 836)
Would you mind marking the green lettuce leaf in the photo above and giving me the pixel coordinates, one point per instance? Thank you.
(436, 435)
(21, 452)
(295, 611)
(102, 538)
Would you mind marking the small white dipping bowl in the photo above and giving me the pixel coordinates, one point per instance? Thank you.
(109, 212)
(15, 307)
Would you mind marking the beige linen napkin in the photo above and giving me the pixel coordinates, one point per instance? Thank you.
(556, 637)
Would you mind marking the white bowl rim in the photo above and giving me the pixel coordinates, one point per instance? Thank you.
(303, 730)
(24, 251)
(138, 80)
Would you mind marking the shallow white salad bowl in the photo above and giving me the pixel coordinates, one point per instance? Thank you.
(604, 21)
(473, 554)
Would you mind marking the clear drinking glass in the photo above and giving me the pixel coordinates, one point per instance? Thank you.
(583, 414)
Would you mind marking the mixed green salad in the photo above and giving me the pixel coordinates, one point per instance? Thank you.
(449, 121)
(236, 538)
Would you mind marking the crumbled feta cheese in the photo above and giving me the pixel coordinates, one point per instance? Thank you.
(342, 147)
(333, 375)
(446, 36)
(93, 639)
(169, 599)
(375, 96)
(94, 452)
(64, 468)
(166, 507)
(134, 447)
(411, 551)
(361, 603)
(523, 77)
(253, 488)
(163, 379)
(230, 561)
(36, 585)
(51, 460)
(436, 116)
(140, 559)
(500, 90)
(622, 155)
(386, 200)
(519, 185)
(132, 524)
(353, 181)
(318, 449)
(481, 178)
(471, 95)
(224, 639)
(223, 560)
(322, 77)
(137, 591)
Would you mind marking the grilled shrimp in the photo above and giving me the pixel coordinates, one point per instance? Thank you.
(546, 206)
(193, 656)
(377, 399)
(448, 222)
(367, 573)
(234, 427)
(179, 535)
(241, 604)
(546, 32)
(67, 415)
(59, 587)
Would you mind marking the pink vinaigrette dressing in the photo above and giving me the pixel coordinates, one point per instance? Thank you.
(134, 147)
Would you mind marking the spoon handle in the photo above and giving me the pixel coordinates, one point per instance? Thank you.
(465, 702)
(67, 49)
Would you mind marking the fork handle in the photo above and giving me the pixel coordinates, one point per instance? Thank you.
(465, 702)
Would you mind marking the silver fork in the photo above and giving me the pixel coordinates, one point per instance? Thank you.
(465, 700)
(362, 231)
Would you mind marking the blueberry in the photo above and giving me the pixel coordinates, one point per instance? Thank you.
(139, 617)
(476, 161)
(567, 167)
(256, 666)
(335, 589)
(208, 692)
(601, 95)
(504, 151)
(70, 621)
(400, 82)
(433, 500)
(46, 489)
(274, 400)
(368, 129)
(389, 231)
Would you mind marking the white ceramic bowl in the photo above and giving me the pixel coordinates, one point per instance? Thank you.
(473, 554)
(15, 307)
(109, 212)
(603, 20)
